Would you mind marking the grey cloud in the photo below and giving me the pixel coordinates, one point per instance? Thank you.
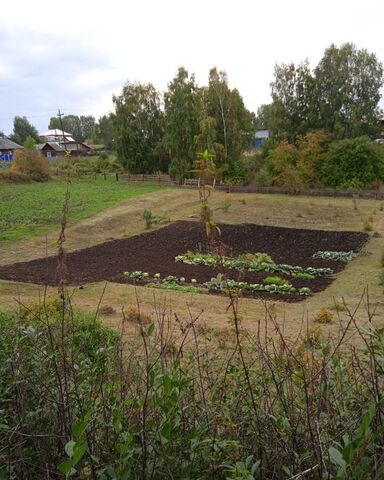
(41, 79)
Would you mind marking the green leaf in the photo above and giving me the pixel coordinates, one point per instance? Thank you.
(69, 447)
(79, 453)
(66, 468)
(79, 427)
(150, 329)
(336, 457)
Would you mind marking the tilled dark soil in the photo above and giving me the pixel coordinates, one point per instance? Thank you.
(154, 252)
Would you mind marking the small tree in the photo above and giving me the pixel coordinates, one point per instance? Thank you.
(205, 168)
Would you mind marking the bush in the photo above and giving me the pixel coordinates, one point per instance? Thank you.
(237, 174)
(30, 162)
(354, 163)
(77, 399)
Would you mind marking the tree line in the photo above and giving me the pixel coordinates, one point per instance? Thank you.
(166, 133)
(312, 118)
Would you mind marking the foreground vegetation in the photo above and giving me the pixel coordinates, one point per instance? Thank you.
(79, 400)
(36, 208)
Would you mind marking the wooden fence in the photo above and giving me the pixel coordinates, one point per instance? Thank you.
(161, 179)
(164, 179)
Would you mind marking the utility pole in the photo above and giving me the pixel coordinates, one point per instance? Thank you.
(62, 130)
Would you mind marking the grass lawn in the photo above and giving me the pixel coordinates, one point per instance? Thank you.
(36, 208)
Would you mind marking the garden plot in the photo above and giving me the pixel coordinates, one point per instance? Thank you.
(260, 261)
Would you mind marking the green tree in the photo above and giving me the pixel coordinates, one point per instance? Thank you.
(348, 83)
(282, 165)
(29, 143)
(137, 124)
(206, 139)
(22, 129)
(355, 162)
(341, 96)
(234, 123)
(182, 103)
(80, 127)
(291, 112)
(88, 128)
(105, 131)
(263, 118)
(312, 149)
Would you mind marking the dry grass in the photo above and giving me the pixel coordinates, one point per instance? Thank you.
(126, 219)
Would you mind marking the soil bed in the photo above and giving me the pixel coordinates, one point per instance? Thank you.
(154, 252)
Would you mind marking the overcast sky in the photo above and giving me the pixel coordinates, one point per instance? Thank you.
(74, 55)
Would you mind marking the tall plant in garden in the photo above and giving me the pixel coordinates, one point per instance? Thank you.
(205, 169)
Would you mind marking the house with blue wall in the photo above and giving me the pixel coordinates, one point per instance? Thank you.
(7, 149)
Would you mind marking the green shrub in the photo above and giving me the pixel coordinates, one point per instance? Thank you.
(76, 401)
(357, 162)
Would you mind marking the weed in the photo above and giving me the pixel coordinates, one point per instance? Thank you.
(313, 338)
(151, 220)
(242, 201)
(324, 316)
(368, 227)
(338, 307)
(225, 204)
(133, 315)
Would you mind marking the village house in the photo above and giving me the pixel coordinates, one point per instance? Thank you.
(7, 148)
(56, 142)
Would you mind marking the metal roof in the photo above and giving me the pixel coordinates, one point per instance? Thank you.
(58, 147)
(55, 132)
(6, 144)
